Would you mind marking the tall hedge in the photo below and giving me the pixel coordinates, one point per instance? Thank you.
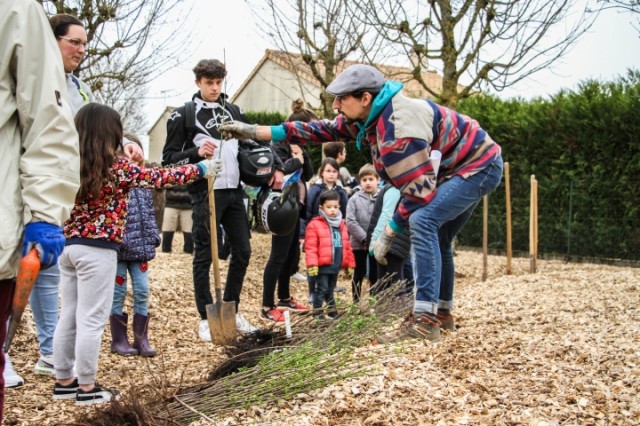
(583, 147)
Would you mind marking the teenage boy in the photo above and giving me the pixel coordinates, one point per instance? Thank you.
(212, 108)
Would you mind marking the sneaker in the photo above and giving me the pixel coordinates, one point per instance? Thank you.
(65, 391)
(44, 366)
(11, 378)
(340, 289)
(446, 322)
(293, 305)
(97, 395)
(426, 326)
(333, 315)
(244, 326)
(203, 331)
(299, 277)
(274, 315)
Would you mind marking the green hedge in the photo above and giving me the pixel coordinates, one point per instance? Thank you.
(584, 149)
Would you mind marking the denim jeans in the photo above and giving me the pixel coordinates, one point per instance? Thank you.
(232, 215)
(44, 306)
(139, 283)
(433, 228)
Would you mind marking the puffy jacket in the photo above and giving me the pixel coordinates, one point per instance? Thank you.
(141, 235)
(177, 197)
(313, 202)
(39, 155)
(318, 244)
(359, 211)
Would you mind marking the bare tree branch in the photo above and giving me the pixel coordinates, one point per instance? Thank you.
(477, 44)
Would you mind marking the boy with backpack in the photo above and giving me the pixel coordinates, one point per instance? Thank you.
(190, 144)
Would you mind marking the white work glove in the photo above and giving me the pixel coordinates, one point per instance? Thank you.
(381, 247)
(238, 130)
(210, 168)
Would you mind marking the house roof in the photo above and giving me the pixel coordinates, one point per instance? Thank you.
(294, 63)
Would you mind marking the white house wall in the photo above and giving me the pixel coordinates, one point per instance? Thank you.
(273, 88)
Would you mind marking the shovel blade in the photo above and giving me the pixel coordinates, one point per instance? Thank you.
(229, 321)
(214, 318)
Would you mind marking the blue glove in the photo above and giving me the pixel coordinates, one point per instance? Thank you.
(48, 239)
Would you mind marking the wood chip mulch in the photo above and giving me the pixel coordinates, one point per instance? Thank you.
(561, 346)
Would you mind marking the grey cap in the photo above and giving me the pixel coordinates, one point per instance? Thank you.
(356, 78)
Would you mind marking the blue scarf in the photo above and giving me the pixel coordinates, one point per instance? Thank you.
(389, 90)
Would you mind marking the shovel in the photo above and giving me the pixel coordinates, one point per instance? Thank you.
(220, 315)
(27, 274)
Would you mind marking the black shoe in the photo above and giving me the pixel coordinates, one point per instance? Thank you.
(65, 392)
(97, 395)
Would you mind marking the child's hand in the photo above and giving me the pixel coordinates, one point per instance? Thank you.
(350, 272)
(313, 271)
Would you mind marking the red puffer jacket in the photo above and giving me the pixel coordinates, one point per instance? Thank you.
(318, 244)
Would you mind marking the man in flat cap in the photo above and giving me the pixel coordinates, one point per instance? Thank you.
(442, 162)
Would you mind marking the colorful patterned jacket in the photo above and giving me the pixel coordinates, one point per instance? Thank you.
(401, 132)
(101, 221)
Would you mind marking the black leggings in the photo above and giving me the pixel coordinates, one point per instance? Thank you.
(278, 269)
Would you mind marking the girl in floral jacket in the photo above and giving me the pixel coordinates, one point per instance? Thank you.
(94, 233)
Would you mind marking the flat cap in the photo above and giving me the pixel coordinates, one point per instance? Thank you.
(356, 78)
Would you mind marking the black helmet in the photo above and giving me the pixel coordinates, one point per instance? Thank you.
(278, 211)
(256, 163)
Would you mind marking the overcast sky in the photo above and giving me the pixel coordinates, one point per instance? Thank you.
(227, 29)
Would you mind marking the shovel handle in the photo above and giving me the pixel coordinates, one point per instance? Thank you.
(214, 240)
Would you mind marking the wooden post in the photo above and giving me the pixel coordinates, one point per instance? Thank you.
(485, 236)
(507, 186)
(533, 225)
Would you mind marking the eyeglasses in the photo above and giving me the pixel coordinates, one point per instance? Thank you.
(75, 42)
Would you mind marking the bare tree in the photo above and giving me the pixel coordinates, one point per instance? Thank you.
(130, 42)
(632, 6)
(324, 33)
(476, 43)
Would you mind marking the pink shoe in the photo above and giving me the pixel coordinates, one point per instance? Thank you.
(292, 305)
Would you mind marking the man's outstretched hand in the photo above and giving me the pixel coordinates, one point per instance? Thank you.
(238, 130)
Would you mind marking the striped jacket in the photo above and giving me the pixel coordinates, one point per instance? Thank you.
(401, 132)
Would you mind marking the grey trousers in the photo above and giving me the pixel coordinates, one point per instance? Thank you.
(87, 275)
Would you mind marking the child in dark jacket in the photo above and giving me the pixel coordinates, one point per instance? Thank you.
(327, 250)
(141, 237)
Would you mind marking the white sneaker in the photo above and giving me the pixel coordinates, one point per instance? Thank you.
(244, 326)
(44, 366)
(11, 378)
(204, 332)
(299, 277)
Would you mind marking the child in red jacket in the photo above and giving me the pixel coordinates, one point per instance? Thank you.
(327, 250)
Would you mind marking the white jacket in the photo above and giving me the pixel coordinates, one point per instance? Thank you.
(39, 155)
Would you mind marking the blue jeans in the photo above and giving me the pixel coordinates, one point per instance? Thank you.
(324, 291)
(140, 284)
(433, 228)
(44, 305)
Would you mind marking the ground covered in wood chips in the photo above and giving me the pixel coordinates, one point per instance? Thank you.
(560, 346)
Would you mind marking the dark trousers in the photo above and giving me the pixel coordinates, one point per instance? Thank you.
(324, 291)
(231, 214)
(395, 265)
(364, 263)
(278, 269)
(7, 288)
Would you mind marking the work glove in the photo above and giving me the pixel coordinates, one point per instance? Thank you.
(238, 130)
(210, 168)
(313, 271)
(48, 240)
(381, 247)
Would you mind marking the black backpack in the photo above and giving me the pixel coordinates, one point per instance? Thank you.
(256, 161)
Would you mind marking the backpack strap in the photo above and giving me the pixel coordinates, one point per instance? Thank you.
(190, 119)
